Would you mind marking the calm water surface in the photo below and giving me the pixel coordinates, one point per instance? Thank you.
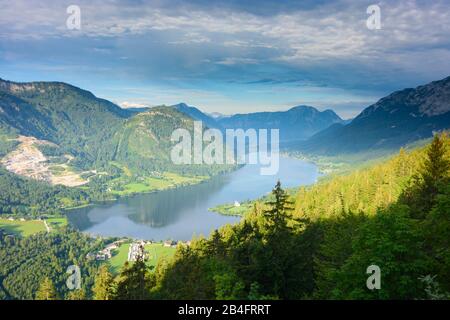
(180, 213)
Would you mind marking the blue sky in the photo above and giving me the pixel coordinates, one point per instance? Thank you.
(229, 56)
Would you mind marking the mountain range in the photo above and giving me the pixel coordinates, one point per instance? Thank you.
(56, 126)
(297, 123)
(396, 120)
(50, 129)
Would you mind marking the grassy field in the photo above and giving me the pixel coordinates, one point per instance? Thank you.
(155, 252)
(29, 227)
(22, 228)
(149, 184)
(230, 209)
(120, 255)
(57, 223)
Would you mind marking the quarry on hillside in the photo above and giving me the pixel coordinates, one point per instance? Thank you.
(28, 161)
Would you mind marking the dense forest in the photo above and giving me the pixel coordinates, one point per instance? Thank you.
(315, 245)
(24, 196)
(27, 263)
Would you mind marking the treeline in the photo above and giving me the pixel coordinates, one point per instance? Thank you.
(24, 196)
(399, 220)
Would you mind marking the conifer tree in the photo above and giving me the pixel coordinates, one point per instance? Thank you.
(134, 279)
(279, 213)
(434, 174)
(104, 285)
(436, 167)
(46, 290)
(277, 259)
(215, 245)
(78, 294)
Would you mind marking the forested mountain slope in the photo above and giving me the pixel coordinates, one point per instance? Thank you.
(399, 119)
(80, 123)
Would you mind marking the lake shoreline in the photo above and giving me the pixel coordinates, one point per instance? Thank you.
(118, 197)
(184, 211)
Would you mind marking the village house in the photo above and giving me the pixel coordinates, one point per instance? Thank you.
(170, 243)
(90, 256)
(105, 253)
(100, 257)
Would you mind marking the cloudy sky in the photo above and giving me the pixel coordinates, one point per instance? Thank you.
(229, 56)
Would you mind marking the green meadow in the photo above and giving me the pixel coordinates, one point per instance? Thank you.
(22, 228)
(123, 187)
(155, 252)
(120, 256)
(29, 227)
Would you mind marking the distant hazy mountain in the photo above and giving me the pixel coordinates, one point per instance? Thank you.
(396, 120)
(196, 114)
(297, 123)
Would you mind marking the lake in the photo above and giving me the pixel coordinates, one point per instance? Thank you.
(181, 213)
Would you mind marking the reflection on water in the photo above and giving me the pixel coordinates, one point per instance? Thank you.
(161, 209)
(183, 212)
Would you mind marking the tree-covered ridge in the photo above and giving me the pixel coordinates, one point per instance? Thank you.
(80, 123)
(94, 131)
(144, 143)
(365, 190)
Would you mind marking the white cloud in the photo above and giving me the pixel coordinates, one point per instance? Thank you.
(131, 104)
(321, 33)
(198, 43)
(232, 61)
